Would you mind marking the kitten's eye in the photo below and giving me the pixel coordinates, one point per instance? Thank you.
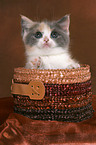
(38, 34)
(54, 34)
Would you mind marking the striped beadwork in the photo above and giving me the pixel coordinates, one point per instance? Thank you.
(68, 94)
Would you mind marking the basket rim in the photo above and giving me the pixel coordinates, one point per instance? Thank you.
(82, 67)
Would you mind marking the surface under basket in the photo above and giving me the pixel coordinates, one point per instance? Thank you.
(61, 94)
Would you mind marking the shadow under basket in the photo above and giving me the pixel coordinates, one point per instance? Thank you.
(53, 94)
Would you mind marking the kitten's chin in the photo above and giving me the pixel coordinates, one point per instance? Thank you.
(46, 45)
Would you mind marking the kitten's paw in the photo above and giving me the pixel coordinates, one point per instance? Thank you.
(35, 63)
(74, 66)
(29, 65)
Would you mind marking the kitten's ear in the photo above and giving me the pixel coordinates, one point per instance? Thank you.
(64, 23)
(26, 23)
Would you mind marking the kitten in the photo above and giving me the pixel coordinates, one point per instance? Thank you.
(47, 44)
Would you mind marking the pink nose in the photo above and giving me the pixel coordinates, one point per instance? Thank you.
(46, 39)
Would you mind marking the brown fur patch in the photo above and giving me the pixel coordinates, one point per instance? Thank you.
(42, 25)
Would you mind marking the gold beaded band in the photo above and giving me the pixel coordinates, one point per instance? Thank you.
(58, 76)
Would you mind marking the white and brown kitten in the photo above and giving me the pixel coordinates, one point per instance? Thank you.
(47, 44)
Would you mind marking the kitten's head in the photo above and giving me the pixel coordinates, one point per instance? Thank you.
(45, 38)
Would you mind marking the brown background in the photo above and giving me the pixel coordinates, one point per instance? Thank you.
(82, 29)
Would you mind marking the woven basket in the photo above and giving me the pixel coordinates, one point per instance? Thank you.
(61, 94)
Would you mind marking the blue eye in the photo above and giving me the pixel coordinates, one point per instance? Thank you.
(38, 34)
(54, 34)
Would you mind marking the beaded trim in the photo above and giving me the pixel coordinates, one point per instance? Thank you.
(68, 94)
(83, 67)
(67, 89)
(68, 115)
(54, 102)
(59, 95)
(53, 76)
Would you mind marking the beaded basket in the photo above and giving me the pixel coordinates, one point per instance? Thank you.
(61, 94)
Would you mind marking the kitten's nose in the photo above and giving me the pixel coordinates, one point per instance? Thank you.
(46, 39)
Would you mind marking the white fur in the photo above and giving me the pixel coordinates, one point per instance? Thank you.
(59, 60)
